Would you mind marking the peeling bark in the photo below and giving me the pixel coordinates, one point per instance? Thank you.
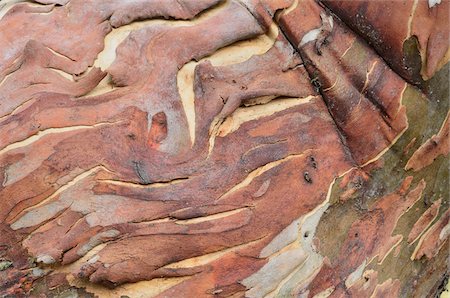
(434, 147)
(206, 148)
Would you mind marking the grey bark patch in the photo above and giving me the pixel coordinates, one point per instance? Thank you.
(5, 265)
(140, 172)
(97, 240)
(262, 190)
(37, 272)
(45, 259)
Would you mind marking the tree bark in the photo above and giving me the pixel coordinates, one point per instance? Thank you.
(207, 148)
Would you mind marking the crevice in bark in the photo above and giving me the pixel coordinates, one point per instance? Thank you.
(319, 90)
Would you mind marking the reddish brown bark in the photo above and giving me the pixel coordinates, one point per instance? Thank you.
(190, 149)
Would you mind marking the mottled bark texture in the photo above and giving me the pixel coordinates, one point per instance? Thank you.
(207, 148)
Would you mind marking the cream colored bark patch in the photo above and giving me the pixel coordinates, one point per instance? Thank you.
(242, 115)
(46, 209)
(142, 289)
(271, 274)
(355, 275)
(432, 3)
(314, 33)
(233, 54)
(207, 258)
(295, 241)
(6, 5)
(286, 237)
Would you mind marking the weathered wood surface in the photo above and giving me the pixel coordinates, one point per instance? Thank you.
(257, 148)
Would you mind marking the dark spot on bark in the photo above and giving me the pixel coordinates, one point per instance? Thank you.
(312, 162)
(307, 177)
(358, 183)
(316, 83)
